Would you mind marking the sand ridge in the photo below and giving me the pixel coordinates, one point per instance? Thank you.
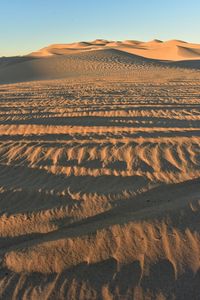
(173, 50)
(102, 58)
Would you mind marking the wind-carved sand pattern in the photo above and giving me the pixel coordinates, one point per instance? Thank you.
(99, 185)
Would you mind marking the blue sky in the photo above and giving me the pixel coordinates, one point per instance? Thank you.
(27, 25)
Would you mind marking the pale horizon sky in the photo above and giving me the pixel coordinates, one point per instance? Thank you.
(28, 25)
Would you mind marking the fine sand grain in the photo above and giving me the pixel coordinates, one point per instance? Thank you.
(100, 172)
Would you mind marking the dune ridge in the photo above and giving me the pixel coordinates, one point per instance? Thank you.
(156, 49)
(102, 58)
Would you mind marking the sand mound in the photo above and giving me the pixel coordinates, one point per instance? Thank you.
(173, 50)
(155, 49)
(101, 62)
(100, 58)
(64, 49)
(96, 63)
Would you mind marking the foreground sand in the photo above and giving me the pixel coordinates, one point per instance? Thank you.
(99, 184)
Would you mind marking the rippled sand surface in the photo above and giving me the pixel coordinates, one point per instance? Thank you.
(99, 182)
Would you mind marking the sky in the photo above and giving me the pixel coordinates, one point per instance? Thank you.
(28, 25)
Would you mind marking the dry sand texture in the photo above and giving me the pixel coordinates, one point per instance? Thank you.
(99, 176)
(100, 58)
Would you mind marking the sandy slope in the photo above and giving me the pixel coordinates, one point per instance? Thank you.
(99, 177)
(100, 58)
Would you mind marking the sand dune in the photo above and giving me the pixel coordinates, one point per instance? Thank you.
(156, 49)
(168, 51)
(94, 63)
(102, 58)
(99, 173)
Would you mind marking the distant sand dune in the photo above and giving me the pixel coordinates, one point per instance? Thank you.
(155, 49)
(101, 58)
(66, 63)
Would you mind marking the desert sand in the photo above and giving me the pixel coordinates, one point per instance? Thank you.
(100, 168)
